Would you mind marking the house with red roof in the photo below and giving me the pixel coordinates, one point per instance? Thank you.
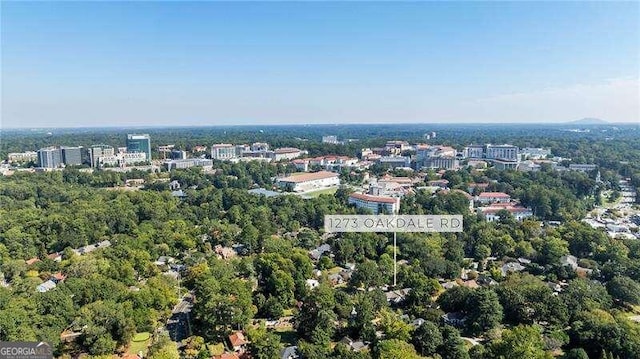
(238, 341)
(32, 261)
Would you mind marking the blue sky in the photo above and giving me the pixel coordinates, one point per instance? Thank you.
(211, 63)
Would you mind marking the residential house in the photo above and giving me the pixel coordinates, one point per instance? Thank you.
(354, 345)
(456, 319)
(290, 352)
(56, 257)
(164, 260)
(238, 342)
(58, 277)
(227, 355)
(319, 251)
(46, 286)
(32, 261)
(397, 296)
(312, 283)
(511, 267)
(335, 278)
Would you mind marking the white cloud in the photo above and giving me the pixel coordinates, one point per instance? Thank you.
(616, 100)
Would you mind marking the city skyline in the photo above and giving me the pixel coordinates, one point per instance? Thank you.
(207, 64)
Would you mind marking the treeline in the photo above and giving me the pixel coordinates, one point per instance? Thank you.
(113, 293)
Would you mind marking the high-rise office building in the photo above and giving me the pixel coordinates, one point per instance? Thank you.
(97, 151)
(177, 155)
(139, 143)
(50, 157)
(72, 156)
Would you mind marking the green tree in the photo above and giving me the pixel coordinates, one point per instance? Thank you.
(624, 289)
(453, 346)
(484, 310)
(393, 326)
(427, 338)
(521, 342)
(393, 349)
(263, 344)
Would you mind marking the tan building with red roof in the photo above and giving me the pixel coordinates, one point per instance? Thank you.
(493, 197)
(286, 153)
(309, 181)
(376, 204)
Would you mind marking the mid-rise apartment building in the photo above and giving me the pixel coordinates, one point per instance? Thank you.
(376, 204)
(23, 156)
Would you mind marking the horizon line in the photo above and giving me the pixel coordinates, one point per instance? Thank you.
(572, 122)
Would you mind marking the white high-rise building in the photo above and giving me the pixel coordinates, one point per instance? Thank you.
(502, 152)
(223, 151)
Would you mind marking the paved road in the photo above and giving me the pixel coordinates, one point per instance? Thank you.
(178, 325)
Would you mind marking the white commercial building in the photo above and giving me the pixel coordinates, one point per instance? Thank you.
(502, 152)
(223, 151)
(445, 162)
(123, 159)
(394, 161)
(286, 153)
(474, 151)
(187, 163)
(534, 153)
(582, 167)
(330, 139)
(309, 181)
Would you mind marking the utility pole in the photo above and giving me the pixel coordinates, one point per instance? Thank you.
(395, 260)
(395, 252)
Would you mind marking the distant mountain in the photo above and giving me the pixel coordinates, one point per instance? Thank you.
(588, 121)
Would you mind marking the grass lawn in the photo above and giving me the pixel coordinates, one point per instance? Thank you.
(139, 343)
(317, 193)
